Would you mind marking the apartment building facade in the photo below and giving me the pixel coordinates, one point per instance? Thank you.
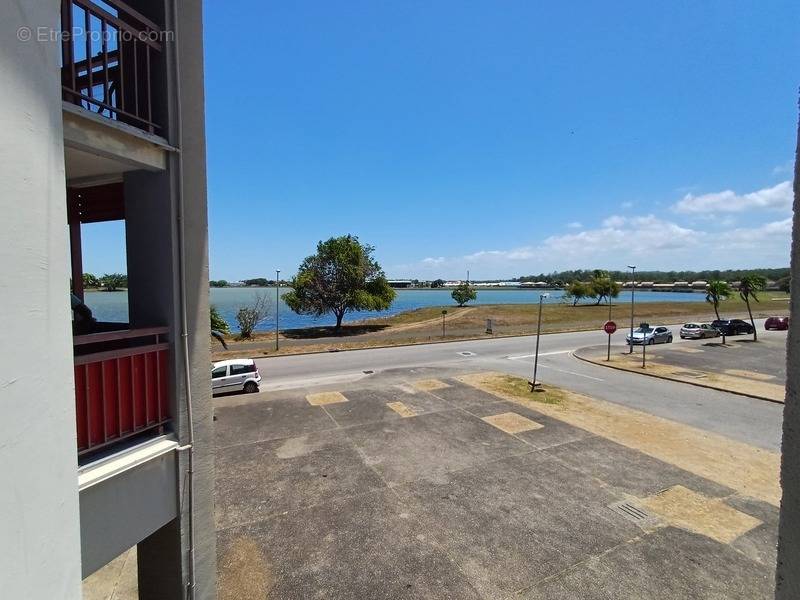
(106, 442)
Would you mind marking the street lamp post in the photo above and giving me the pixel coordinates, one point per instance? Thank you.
(277, 305)
(538, 333)
(633, 291)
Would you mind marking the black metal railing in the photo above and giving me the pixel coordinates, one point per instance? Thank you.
(109, 51)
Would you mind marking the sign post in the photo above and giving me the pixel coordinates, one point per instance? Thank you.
(444, 312)
(609, 327)
(644, 327)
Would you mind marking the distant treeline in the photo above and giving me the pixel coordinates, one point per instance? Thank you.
(565, 277)
(257, 282)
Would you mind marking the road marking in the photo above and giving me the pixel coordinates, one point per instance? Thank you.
(571, 372)
(522, 356)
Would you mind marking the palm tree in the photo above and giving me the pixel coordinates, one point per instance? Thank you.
(716, 292)
(219, 326)
(748, 288)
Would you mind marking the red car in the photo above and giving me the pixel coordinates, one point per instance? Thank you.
(777, 323)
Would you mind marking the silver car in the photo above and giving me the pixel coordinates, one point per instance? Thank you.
(652, 334)
(237, 375)
(698, 331)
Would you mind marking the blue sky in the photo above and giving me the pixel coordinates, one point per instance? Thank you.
(504, 137)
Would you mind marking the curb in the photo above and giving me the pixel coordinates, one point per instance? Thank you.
(655, 375)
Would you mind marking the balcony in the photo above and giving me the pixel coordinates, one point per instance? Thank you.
(121, 386)
(114, 91)
(110, 56)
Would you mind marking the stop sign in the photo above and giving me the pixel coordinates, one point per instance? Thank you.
(609, 327)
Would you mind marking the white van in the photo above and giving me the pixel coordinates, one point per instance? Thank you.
(237, 375)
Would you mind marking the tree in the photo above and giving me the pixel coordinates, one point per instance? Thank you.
(749, 287)
(90, 281)
(218, 283)
(114, 281)
(257, 282)
(437, 283)
(576, 291)
(248, 317)
(219, 326)
(341, 277)
(784, 284)
(603, 286)
(464, 293)
(717, 291)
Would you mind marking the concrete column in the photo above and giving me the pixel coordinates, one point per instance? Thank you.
(39, 532)
(166, 553)
(788, 570)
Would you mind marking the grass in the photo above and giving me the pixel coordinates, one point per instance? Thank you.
(515, 388)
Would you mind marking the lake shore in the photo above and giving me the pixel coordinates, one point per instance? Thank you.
(424, 325)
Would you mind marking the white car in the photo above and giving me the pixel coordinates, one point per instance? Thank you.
(698, 331)
(236, 375)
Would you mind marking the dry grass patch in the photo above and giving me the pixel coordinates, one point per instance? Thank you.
(324, 398)
(711, 517)
(514, 388)
(512, 423)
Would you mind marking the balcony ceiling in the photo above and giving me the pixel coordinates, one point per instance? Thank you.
(99, 150)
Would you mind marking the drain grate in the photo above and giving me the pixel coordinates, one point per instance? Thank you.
(467, 353)
(634, 513)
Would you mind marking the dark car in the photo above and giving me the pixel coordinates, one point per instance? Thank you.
(732, 326)
(777, 323)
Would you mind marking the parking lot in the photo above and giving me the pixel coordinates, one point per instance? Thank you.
(401, 487)
(740, 356)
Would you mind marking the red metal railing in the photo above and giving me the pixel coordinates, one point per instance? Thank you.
(107, 60)
(120, 392)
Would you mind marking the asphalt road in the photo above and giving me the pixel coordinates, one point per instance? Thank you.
(749, 420)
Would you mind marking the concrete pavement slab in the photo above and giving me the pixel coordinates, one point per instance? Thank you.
(462, 395)
(431, 445)
(552, 433)
(356, 548)
(758, 544)
(631, 471)
(507, 529)
(268, 420)
(664, 565)
(471, 511)
(370, 405)
(264, 479)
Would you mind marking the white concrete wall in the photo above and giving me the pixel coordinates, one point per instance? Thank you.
(788, 569)
(39, 532)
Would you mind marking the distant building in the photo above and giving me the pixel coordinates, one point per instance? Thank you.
(401, 283)
(700, 285)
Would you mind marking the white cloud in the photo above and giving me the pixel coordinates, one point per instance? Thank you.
(778, 197)
(786, 167)
(627, 204)
(650, 241)
(575, 225)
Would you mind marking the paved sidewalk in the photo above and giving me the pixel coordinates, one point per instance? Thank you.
(417, 485)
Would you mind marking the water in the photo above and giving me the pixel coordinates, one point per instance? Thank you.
(113, 306)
